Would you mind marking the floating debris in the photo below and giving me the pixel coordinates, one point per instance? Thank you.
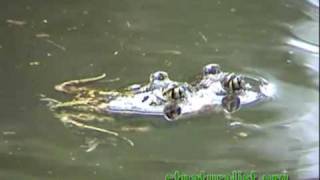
(288, 61)
(72, 28)
(49, 54)
(233, 10)
(135, 129)
(45, 21)
(8, 133)
(16, 22)
(55, 44)
(174, 52)
(116, 53)
(128, 24)
(243, 134)
(205, 39)
(34, 63)
(85, 12)
(92, 145)
(235, 123)
(42, 35)
(167, 62)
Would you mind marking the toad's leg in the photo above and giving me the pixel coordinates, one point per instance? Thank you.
(87, 105)
(74, 86)
(70, 119)
(77, 105)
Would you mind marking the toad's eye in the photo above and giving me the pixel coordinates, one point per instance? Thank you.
(159, 76)
(211, 69)
(233, 83)
(175, 93)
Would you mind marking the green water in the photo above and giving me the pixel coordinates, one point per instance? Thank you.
(43, 43)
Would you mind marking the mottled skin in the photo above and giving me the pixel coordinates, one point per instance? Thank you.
(89, 104)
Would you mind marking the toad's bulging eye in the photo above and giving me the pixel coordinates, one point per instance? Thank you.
(211, 69)
(233, 83)
(159, 76)
(175, 93)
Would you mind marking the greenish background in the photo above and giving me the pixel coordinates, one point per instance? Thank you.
(275, 39)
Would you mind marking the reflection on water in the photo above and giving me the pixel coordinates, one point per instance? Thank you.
(304, 45)
(45, 42)
(307, 32)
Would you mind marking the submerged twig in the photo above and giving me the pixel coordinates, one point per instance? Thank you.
(42, 35)
(16, 22)
(55, 44)
(205, 39)
(174, 52)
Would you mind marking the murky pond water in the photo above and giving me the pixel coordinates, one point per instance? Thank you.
(43, 43)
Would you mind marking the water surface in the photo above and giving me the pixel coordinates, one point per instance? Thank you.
(43, 43)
